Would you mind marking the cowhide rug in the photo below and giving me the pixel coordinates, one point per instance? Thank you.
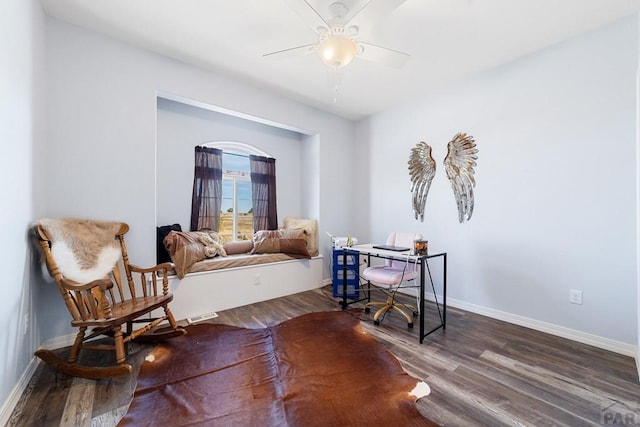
(319, 369)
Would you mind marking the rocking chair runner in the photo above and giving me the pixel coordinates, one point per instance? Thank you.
(99, 304)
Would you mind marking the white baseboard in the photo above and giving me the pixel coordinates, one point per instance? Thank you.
(560, 331)
(15, 395)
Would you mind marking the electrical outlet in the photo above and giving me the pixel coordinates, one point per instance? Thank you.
(26, 323)
(257, 280)
(575, 296)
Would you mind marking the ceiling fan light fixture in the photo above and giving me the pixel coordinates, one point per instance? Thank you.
(336, 51)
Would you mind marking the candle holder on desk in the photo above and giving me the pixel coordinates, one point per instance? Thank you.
(420, 247)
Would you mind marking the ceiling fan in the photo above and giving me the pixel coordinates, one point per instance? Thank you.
(338, 24)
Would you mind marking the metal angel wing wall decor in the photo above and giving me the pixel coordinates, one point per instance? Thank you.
(459, 165)
(422, 169)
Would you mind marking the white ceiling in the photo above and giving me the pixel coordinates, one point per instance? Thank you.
(448, 40)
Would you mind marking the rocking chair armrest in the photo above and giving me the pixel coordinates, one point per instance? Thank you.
(70, 285)
(159, 267)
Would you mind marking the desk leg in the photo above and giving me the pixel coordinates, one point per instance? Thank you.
(421, 308)
(444, 296)
(368, 281)
(344, 279)
(441, 308)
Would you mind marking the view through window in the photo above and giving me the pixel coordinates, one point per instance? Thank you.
(236, 218)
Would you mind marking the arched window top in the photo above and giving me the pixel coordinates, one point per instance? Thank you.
(236, 147)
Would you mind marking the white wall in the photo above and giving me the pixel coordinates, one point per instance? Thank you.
(21, 139)
(638, 196)
(362, 165)
(310, 178)
(181, 127)
(555, 194)
(102, 136)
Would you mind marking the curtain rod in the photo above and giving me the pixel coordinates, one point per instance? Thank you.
(236, 146)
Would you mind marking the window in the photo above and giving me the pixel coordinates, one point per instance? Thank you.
(236, 218)
(238, 192)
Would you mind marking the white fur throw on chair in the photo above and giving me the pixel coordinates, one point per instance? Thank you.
(84, 250)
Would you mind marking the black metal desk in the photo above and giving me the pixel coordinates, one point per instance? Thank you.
(370, 251)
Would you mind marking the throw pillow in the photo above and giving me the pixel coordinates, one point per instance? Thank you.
(161, 232)
(185, 250)
(310, 226)
(238, 247)
(291, 242)
(211, 242)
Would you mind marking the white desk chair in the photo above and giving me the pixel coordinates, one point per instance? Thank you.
(390, 278)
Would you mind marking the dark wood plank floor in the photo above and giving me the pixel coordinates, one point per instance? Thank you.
(482, 372)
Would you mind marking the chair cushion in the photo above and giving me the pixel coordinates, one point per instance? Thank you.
(384, 275)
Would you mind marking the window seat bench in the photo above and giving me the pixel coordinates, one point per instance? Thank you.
(222, 283)
(240, 260)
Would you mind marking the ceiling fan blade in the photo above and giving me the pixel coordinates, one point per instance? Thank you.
(291, 52)
(382, 55)
(373, 12)
(309, 14)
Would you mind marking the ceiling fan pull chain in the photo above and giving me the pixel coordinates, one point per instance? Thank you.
(335, 79)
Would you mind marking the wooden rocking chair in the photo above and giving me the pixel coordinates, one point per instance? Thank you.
(102, 306)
